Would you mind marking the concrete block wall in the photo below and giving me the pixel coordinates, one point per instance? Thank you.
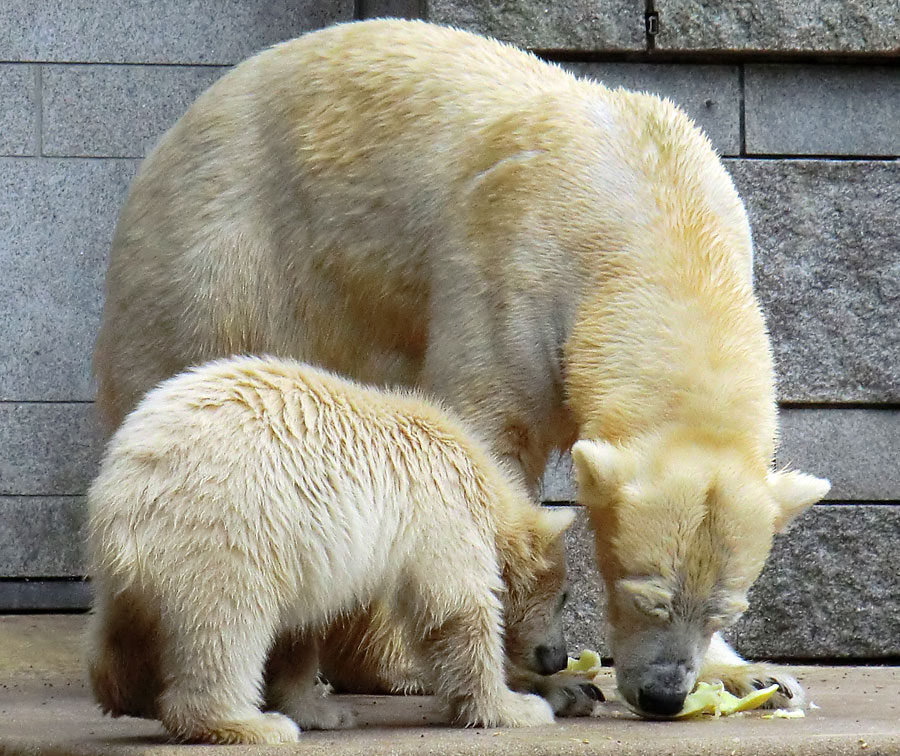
(801, 99)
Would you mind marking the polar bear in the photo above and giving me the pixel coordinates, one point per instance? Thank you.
(252, 500)
(414, 205)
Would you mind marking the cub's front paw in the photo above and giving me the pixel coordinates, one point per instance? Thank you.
(569, 697)
(745, 678)
(512, 710)
(524, 710)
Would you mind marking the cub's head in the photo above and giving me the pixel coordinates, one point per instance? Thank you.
(681, 535)
(537, 589)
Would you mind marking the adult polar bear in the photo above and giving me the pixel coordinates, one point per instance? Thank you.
(410, 204)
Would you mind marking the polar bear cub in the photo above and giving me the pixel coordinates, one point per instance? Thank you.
(245, 503)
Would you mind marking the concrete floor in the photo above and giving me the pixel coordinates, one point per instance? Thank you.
(45, 708)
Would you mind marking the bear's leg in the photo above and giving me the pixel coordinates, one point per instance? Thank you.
(461, 617)
(293, 689)
(123, 653)
(214, 658)
(368, 652)
(742, 677)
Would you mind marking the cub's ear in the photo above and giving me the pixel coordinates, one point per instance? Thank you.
(600, 469)
(554, 521)
(793, 492)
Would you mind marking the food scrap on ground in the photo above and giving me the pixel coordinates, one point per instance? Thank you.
(712, 698)
(785, 714)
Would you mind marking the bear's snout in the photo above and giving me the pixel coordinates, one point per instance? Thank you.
(663, 690)
(660, 702)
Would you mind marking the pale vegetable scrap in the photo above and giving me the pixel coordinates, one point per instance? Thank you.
(712, 698)
(785, 714)
(587, 664)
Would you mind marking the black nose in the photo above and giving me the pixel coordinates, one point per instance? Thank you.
(662, 703)
(550, 659)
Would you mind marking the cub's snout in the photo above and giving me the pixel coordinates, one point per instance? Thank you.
(550, 659)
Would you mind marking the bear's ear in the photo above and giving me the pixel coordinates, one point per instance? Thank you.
(600, 469)
(554, 521)
(793, 492)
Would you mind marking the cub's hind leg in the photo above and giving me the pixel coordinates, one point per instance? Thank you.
(214, 658)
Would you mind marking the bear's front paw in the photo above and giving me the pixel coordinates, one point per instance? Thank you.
(745, 678)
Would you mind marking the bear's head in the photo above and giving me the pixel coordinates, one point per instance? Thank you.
(681, 534)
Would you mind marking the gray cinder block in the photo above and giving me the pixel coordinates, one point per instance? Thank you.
(41, 536)
(828, 273)
(708, 94)
(829, 590)
(823, 110)
(47, 449)
(584, 613)
(778, 25)
(575, 25)
(58, 218)
(44, 595)
(858, 450)
(390, 8)
(116, 111)
(166, 31)
(19, 110)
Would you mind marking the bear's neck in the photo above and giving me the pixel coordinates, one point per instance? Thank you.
(665, 350)
(668, 335)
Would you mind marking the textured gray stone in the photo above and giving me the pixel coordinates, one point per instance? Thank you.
(822, 110)
(828, 273)
(559, 482)
(390, 8)
(546, 25)
(584, 613)
(167, 31)
(19, 113)
(47, 449)
(116, 111)
(41, 536)
(779, 25)
(709, 94)
(57, 218)
(44, 595)
(858, 450)
(830, 589)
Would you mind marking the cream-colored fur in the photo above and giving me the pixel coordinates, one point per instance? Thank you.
(246, 503)
(414, 205)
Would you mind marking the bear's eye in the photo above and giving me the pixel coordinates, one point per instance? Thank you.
(648, 598)
(656, 610)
